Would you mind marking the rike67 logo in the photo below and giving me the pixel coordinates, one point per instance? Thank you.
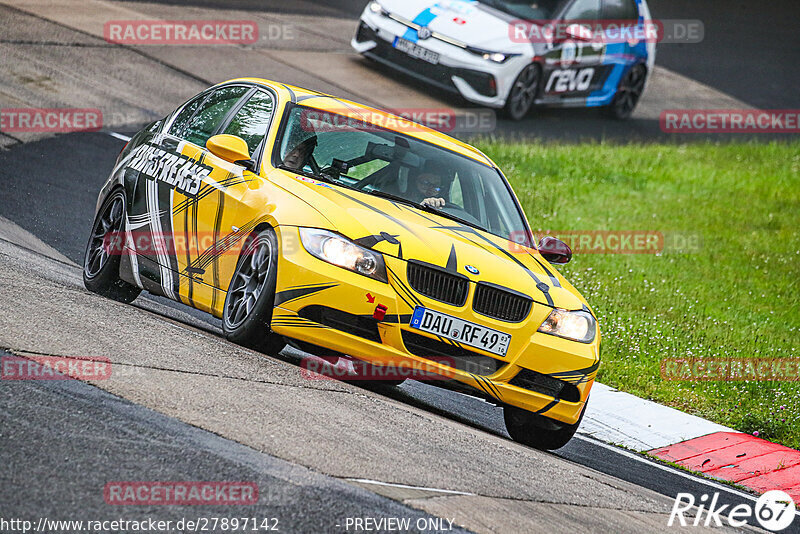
(774, 510)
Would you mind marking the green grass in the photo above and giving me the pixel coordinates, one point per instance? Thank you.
(737, 296)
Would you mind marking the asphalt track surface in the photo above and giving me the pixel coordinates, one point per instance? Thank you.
(49, 188)
(100, 437)
(750, 49)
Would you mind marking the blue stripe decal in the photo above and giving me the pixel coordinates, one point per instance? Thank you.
(605, 94)
(410, 35)
(423, 19)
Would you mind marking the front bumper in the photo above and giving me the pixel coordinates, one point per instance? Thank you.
(477, 80)
(330, 307)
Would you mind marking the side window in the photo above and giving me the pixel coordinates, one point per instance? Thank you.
(252, 121)
(583, 10)
(620, 10)
(183, 116)
(211, 114)
(456, 193)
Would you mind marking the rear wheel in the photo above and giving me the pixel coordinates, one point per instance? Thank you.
(103, 252)
(251, 296)
(537, 430)
(629, 92)
(523, 93)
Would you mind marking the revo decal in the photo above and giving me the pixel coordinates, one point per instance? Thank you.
(177, 171)
(569, 80)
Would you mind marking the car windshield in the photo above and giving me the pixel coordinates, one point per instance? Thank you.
(382, 162)
(536, 10)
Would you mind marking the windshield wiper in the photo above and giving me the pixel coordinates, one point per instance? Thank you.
(453, 217)
(320, 177)
(396, 198)
(422, 207)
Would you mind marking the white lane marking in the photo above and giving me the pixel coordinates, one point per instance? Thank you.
(378, 483)
(119, 136)
(655, 463)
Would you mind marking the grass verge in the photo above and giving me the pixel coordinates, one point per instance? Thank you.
(735, 294)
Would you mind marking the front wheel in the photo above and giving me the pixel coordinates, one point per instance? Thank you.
(103, 252)
(523, 93)
(248, 306)
(629, 92)
(538, 431)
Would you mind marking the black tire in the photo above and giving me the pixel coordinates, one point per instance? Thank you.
(102, 256)
(248, 306)
(523, 93)
(538, 431)
(630, 90)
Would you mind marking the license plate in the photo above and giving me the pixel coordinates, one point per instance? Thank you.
(464, 332)
(416, 51)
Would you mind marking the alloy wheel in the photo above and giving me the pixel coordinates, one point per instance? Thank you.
(630, 90)
(248, 283)
(523, 93)
(109, 222)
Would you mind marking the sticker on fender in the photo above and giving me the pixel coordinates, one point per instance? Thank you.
(459, 330)
(569, 80)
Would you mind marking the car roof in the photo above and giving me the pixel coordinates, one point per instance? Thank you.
(332, 104)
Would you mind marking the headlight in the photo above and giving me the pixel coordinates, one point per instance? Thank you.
(497, 57)
(376, 8)
(340, 251)
(574, 325)
(488, 55)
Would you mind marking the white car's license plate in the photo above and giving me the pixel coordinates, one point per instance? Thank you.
(459, 330)
(416, 51)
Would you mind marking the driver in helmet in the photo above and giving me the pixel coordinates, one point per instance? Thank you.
(300, 155)
(427, 188)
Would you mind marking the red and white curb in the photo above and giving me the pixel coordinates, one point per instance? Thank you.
(736, 457)
(690, 441)
(638, 424)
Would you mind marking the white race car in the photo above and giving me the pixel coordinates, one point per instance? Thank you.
(514, 55)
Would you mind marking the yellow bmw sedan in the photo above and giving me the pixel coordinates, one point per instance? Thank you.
(297, 217)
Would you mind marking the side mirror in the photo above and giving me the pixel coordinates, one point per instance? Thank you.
(232, 149)
(554, 250)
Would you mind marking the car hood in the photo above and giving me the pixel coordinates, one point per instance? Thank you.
(399, 230)
(470, 22)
